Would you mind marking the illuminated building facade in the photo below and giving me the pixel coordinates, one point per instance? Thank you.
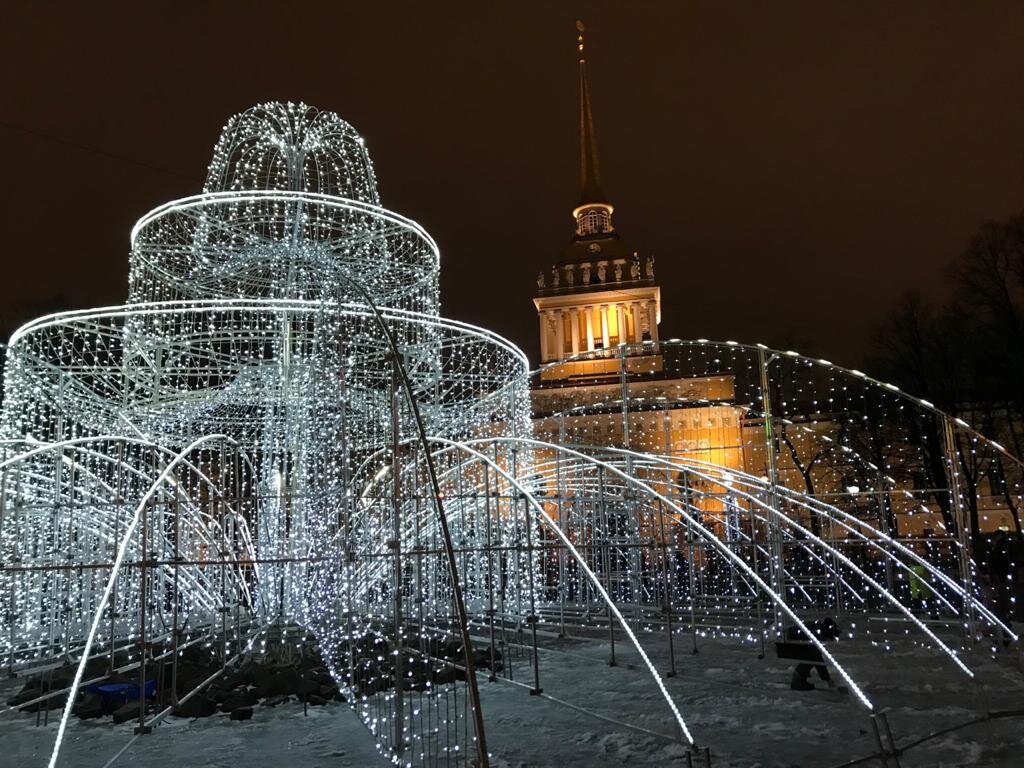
(598, 309)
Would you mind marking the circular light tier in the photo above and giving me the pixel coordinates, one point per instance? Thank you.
(274, 244)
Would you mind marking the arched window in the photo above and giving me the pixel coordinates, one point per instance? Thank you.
(593, 221)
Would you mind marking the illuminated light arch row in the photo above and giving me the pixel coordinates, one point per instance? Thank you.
(711, 347)
(138, 514)
(66, 506)
(752, 489)
(859, 530)
(469, 504)
(797, 535)
(871, 438)
(807, 538)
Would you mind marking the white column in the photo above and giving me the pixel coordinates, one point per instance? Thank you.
(604, 325)
(574, 326)
(590, 327)
(559, 335)
(621, 312)
(652, 311)
(635, 309)
(543, 336)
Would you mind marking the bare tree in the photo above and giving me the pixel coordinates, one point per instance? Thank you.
(967, 357)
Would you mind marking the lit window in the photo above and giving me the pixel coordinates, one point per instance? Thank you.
(593, 221)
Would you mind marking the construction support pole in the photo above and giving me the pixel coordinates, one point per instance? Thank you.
(776, 562)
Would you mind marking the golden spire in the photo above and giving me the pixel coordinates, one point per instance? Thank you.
(590, 174)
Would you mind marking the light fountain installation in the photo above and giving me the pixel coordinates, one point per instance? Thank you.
(279, 432)
(189, 459)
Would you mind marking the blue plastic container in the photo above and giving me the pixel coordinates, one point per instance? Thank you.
(119, 693)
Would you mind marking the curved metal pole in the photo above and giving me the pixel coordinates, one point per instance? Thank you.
(828, 510)
(483, 760)
(710, 537)
(80, 444)
(163, 476)
(581, 561)
(847, 522)
(774, 513)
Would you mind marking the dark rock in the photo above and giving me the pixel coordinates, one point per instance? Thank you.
(482, 659)
(217, 694)
(308, 688)
(364, 670)
(369, 670)
(95, 668)
(377, 683)
(61, 677)
(121, 658)
(286, 681)
(370, 645)
(196, 654)
(89, 705)
(328, 691)
(261, 674)
(241, 713)
(499, 665)
(320, 674)
(238, 700)
(163, 672)
(56, 701)
(418, 683)
(231, 682)
(244, 675)
(30, 690)
(38, 686)
(273, 701)
(418, 675)
(311, 660)
(444, 675)
(197, 706)
(191, 674)
(416, 672)
(315, 701)
(450, 650)
(126, 712)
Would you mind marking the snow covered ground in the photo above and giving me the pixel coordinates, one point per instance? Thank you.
(743, 709)
(276, 736)
(736, 704)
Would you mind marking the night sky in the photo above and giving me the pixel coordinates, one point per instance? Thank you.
(794, 169)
